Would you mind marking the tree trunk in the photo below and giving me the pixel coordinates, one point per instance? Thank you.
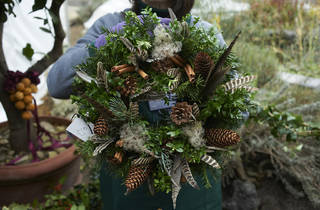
(18, 126)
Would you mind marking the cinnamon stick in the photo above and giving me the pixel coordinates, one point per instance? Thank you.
(117, 68)
(180, 59)
(143, 74)
(177, 62)
(190, 72)
(126, 70)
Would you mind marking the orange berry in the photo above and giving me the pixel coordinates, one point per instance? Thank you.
(20, 105)
(13, 97)
(27, 115)
(19, 95)
(26, 81)
(34, 88)
(30, 107)
(20, 86)
(27, 91)
(27, 99)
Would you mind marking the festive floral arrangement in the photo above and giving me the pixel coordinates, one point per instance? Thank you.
(163, 96)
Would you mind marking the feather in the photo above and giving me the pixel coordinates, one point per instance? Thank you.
(210, 161)
(166, 163)
(128, 44)
(85, 77)
(214, 80)
(101, 76)
(212, 149)
(175, 193)
(142, 161)
(238, 83)
(248, 88)
(186, 171)
(151, 186)
(173, 16)
(176, 171)
(102, 147)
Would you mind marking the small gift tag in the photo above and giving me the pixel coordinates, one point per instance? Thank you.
(81, 129)
(161, 104)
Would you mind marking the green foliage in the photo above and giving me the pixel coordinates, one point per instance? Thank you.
(191, 91)
(162, 182)
(227, 107)
(6, 8)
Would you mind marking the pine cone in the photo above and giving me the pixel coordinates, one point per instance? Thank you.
(182, 113)
(163, 65)
(130, 86)
(203, 64)
(136, 176)
(221, 137)
(100, 127)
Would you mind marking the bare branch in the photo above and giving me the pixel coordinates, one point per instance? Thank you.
(3, 63)
(57, 48)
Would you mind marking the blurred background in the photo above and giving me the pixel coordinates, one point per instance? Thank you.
(280, 43)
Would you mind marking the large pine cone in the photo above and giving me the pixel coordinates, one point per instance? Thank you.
(163, 65)
(203, 64)
(100, 127)
(221, 137)
(182, 113)
(137, 176)
(129, 87)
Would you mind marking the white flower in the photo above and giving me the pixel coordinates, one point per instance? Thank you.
(195, 132)
(164, 45)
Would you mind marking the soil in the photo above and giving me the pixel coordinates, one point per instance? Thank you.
(6, 154)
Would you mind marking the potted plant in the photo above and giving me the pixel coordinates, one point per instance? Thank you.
(37, 177)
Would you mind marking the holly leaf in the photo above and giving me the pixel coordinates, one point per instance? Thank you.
(28, 52)
(39, 4)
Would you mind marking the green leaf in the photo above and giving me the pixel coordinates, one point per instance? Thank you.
(28, 52)
(39, 4)
(45, 30)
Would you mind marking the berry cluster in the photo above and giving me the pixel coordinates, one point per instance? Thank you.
(22, 97)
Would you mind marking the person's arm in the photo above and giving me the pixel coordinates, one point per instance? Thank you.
(61, 75)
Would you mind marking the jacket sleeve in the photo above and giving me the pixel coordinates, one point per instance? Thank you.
(61, 75)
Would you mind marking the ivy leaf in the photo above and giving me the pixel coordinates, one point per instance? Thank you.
(39, 4)
(28, 52)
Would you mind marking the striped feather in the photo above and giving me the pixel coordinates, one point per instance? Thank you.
(142, 161)
(173, 16)
(186, 171)
(210, 161)
(101, 76)
(101, 147)
(128, 44)
(238, 83)
(85, 77)
(175, 193)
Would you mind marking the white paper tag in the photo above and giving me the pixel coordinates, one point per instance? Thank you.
(81, 129)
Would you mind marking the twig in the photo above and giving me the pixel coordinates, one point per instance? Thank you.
(57, 48)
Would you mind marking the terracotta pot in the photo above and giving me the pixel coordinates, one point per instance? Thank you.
(29, 182)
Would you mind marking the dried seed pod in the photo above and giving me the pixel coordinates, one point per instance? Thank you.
(28, 99)
(100, 127)
(221, 137)
(163, 65)
(20, 105)
(129, 87)
(20, 86)
(27, 115)
(26, 81)
(119, 143)
(19, 95)
(118, 156)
